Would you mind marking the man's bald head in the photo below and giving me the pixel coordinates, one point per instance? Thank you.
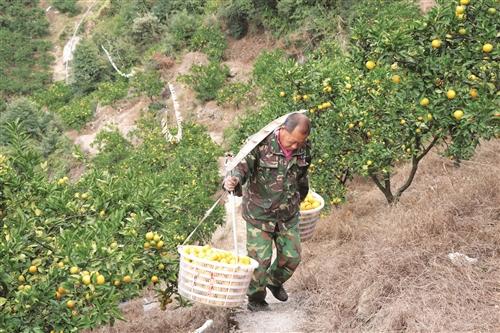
(299, 122)
(296, 130)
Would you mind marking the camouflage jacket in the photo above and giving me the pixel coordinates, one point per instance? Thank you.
(272, 186)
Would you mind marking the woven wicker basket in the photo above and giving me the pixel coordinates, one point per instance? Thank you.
(213, 283)
(308, 219)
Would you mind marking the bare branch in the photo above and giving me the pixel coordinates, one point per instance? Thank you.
(345, 176)
(386, 190)
(409, 180)
(429, 147)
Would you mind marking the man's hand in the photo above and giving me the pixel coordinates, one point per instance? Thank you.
(230, 183)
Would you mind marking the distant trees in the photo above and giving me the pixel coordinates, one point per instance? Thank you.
(24, 56)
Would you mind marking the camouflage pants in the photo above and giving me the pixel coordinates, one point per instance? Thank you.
(260, 248)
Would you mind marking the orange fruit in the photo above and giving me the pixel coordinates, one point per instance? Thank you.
(458, 114)
(424, 101)
(436, 43)
(473, 93)
(459, 10)
(100, 280)
(487, 48)
(370, 64)
(86, 280)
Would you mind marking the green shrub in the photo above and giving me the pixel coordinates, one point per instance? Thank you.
(109, 92)
(78, 112)
(210, 40)
(236, 14)
(25, 157)
(148, 82)
(34, 122)
(155, 107)
(271, 69)
(163, 9)
(123, 50)
(66, 6)
(171, 45)
(183, 25)
(145, 29)
(206, 80)
(25, 58)
(89, 68)
(234, 93)
(113, 148)
(387, 100)
(40, 127)
(55, 97)
(99, 224)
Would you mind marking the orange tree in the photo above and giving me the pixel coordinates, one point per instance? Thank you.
(425, 81)
(70, 252)
(286, 86)
(408, 83)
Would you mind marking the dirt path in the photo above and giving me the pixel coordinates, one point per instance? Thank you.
(123, 117)
(282, 318)
(426, 5)
(61, 28)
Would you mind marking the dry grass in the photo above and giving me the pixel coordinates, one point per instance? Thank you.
(387, 267)
(181, 320)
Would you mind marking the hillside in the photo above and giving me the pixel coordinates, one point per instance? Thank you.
(388, 268)
(376, 268)
(106, 168)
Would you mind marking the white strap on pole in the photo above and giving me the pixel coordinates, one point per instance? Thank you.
(233, 220)
(73, 39)
(178, 118)
(129, 75)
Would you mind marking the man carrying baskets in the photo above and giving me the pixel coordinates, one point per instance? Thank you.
(275, 177)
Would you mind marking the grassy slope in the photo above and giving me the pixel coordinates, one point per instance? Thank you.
(388, 267)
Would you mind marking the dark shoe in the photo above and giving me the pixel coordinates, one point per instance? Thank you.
(257, 305)
(278, 292)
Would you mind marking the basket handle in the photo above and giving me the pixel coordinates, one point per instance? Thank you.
(232, 199)
(207, 213)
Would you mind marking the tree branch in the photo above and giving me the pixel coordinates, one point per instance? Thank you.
(385, 189)
(426, 150)
(414, 167)
(345, 176)
(377, 182)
